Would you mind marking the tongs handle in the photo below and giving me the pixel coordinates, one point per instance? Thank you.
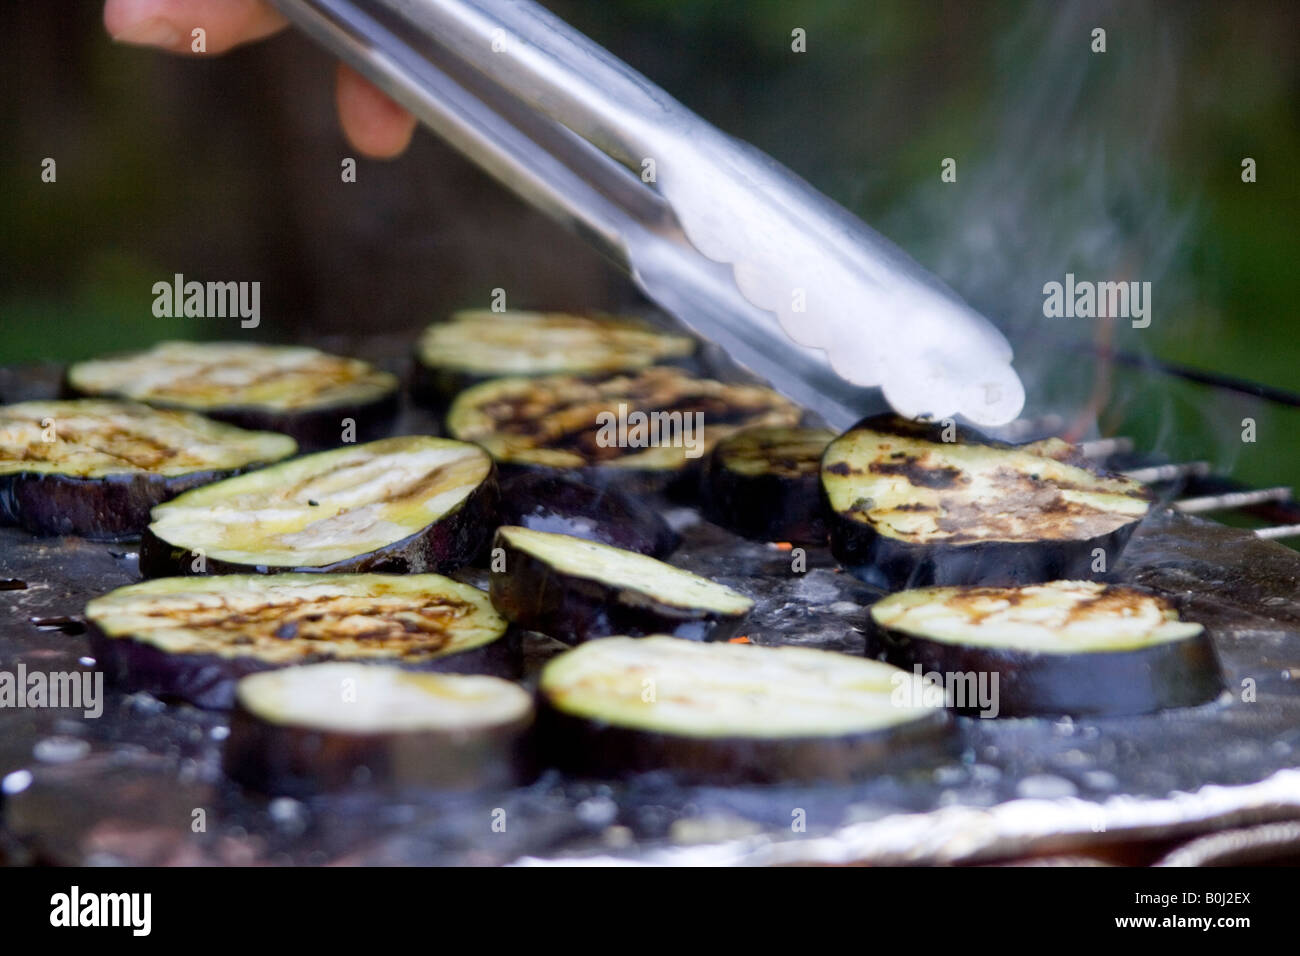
(793, 286)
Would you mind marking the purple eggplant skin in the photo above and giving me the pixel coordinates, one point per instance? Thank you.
(572, 609)
(764, 507)
(895, 565)
(662, 486)
(208, 680)
(564, 505)
(454, 540)
(1091, 684)
(101, 509)
(314, 429)
(588, 748)
(301, 762)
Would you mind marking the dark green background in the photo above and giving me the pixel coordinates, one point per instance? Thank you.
(1118, 165)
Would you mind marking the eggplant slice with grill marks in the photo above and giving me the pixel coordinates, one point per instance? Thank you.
(476, 345)
(563, 505)
(733, 713)
(194, 638)
(765, 483)
(640, 431)
(575, 590)
(909, 509)
(1068, 647)
(405, 505)
(338, 726)
(296, 390)
(95, 468)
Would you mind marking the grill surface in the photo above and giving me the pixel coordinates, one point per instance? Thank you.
(142, 783)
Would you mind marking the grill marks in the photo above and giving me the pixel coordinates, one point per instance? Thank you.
(292, 618)
(328, 507)
(920, 488)
(921, 475)
(558, 415)
(1057, 617)
(407, 629)
(211, 375)
(93, 438)
(541, 343)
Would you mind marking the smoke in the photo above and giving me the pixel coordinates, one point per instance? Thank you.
(1070, 176)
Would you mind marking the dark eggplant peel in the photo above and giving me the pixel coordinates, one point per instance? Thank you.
(575, 590)
(328, 727)
(95, 468)
(733, 713)
(193, 638)
(560, 504)
(765, 483)
(909, 509)
(642, 430)
(1067, 647)
(405, 505)
(296, 390)
(476, 345)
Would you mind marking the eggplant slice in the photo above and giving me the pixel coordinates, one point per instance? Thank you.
(643, 430)
(1069, 647)
(765, 483)
(733, 713)
(563, 505)
(405, 505)
(194, 638)
(908, 509)
(296, 390)
(476, 345)
(328, 727)
(575, 590)
(95, 468)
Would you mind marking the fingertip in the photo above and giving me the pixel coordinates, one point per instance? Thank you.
(375, 125)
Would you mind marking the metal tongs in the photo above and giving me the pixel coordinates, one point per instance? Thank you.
(791, 285)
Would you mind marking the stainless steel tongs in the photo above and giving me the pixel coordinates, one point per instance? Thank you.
(718, 234)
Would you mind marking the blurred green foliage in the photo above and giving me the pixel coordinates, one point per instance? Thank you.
(1124, 163)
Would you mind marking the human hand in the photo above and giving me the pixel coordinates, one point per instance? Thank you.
(372, 122)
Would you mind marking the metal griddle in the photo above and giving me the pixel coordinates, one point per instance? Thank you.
(142, 784)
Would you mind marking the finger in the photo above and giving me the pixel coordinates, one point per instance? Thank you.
(169, 24)
(373, 123)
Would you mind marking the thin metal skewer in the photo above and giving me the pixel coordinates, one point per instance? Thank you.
(1157, 473)
(1105, 447)
(1281, 531)
(1231, 500)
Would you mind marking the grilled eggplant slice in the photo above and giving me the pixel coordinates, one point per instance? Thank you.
(194, 638)
(477, 345)
(733, 713)
(296, 390)
(642, 431)
(1068, 647)
(575, 590)
(765, 483)
(908, 509)
(96, 468)
(404, 505)
(327, 727)
(563, 505)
